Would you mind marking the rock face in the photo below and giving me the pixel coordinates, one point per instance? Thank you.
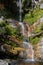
(2, 62)
(41, 6)
(25, 29)
(11, 50)
(39, 50)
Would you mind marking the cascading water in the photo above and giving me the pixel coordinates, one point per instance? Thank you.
(29, 52)
(20, 10)
(22, 27)
(28, 47)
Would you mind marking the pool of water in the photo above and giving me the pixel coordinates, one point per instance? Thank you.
(30, 63)
(26, 63)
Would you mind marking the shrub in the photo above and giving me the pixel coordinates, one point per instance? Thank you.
(31, 18)
(34, 40)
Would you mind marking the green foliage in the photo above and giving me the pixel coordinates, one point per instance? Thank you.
(26, 4)
(2, 27)
(4, 12)
(6, 29)
(42, 26)
(9, 30)
(38, 28)
(12, 10)
(34, 40)
(31, 18)
(6, 41)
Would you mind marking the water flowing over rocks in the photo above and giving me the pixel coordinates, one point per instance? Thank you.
(1, 19)
(26, 32)
(29, 52)
(25, 29)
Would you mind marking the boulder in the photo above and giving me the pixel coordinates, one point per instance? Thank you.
(38, 49)
(12, 50)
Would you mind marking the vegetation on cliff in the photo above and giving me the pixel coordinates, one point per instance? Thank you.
(10, 36)
(31, 18)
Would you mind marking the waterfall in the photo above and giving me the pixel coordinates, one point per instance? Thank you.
(28, 47)
(26, 44)
(28, 51)
(22, 27)
(1, 19)
(20, 10)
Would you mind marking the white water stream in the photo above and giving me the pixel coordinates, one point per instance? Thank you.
(28, 47)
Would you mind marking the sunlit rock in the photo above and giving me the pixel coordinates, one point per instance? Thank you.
(29, 52)
(25, 30)
(41, 6)
(39, 50)
(1, 19)
(12, 50)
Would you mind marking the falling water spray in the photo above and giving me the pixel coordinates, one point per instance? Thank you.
(28, 47)
(20, 10)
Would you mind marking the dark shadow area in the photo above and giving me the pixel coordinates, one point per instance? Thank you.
(7, 56)
(10, 9)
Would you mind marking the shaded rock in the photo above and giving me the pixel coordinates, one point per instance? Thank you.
(12, 50)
